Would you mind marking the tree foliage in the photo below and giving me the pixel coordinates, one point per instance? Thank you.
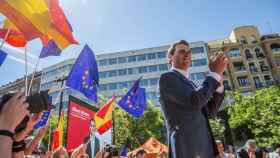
(257, 115)
(134, 132)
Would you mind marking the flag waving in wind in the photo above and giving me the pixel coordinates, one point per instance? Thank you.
(84, 74)
(134, 102)
(103, 118)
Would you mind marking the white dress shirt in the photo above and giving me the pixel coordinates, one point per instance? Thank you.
(214, 75)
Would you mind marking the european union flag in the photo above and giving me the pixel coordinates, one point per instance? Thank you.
(51, 49)
(43, 121)
(3, 56)
(134, 102)
(84, 74)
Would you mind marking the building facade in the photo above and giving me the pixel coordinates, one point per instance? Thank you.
(19, 85)
(249, 64)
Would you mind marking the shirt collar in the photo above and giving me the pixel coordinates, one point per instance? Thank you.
(183, 72)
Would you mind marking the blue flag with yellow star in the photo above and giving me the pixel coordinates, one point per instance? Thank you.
(84, 74)
(134, 102)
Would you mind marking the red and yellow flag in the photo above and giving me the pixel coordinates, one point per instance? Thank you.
(38, 18)
(58, 133)
(12, 35)
(103, 118)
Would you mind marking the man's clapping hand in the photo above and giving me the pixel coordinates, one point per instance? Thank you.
(218, 63)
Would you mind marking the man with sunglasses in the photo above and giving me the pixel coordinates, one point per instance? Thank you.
(186, 107)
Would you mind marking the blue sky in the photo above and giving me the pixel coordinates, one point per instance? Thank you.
(115, 25)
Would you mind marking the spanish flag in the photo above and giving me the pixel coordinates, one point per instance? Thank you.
(58, 133)
(103, 118)
(38, 18)
(12, 35)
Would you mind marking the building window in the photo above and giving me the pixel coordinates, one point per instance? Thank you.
(103, 87)
(103, 74)
(112, 73)
(142, 69)
(257, 82)
(277, 61)
(163, 67)
(153, 81)
(248, 54)
(122, 72)
(161, 55)
(268, 80)
(252, 67)
(258, 52)
(130, 71)
(275, 47)
(152, 68)
(112, 86)
(197, 76)
(132, 59)
(243, 81)
(199, 62)
(103, 62)
(243, 40)
(141, 57)
(112, 61)
(123, 85)
(144, 83)
(239, 66)
(122, 60)
(234, 53)
(151, 56)
(197, 50)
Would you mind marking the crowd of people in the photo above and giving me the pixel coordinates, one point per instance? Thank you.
(20, 144)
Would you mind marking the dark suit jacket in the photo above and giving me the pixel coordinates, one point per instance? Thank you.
(242, 153)
(186, 109)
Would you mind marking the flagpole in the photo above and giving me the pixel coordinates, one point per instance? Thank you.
(26, 71)
(33, 75)
(6, 36)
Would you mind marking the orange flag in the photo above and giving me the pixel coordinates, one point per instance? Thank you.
(103, 118)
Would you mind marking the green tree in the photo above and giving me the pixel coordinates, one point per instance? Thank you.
(134, 132)
(257, 116)
(218, 128)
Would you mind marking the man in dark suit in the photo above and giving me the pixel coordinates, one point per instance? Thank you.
(186, 107)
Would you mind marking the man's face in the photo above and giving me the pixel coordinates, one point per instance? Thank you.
(182, 57)
(220, 147)
(252, 147)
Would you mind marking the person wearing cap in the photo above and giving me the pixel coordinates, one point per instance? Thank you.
(186, 107)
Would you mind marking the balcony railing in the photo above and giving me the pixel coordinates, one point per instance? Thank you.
(259, 85)
(269, 83)
(260, 55)
(264, 68)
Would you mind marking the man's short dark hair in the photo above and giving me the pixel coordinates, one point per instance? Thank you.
(141, 152)
(171, 49)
